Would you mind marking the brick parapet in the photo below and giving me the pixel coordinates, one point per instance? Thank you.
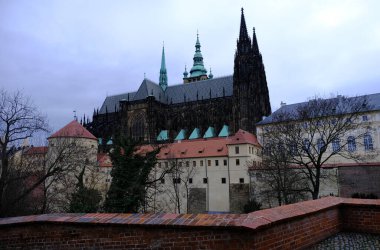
(293, 226)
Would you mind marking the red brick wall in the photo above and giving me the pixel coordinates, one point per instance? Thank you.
(294, 226)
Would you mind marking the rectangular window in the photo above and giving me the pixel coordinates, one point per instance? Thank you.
(216, 162)
(225, 162)
(204, 180)
(163, 181)
(208, 162)
(241, 180)
(249, 150)
(194, 163)
(201, 163)
(180, 164)
(237, 162)
(176, 180)
(190, 180)
(159, 164)
(236, 150)
(223, 180)
(187, 164)
(365, 118)
(166, 164)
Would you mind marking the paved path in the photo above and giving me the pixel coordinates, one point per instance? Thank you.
(351, 241)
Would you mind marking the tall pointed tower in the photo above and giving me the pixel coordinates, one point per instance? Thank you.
(163, 81)
(198, 71)
(250, 90)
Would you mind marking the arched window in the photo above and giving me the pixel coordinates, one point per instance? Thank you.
(336, 145)
(368, 143)
(351, 143)
(306, 145)
(138, 128)
(321, 145)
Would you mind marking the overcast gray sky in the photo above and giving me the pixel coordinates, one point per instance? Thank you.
(70, 54)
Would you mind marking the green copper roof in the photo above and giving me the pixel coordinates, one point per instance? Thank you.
(181, 135)
(198, 68)
(110, 142)
(195, 134)
(163, 81)
(224, 132)
(210, 133)
(100, 141)
(163, 136)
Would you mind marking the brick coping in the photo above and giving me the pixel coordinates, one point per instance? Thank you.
(252, 221)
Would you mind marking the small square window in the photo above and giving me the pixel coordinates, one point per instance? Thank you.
(163, 181)
(204, 180)
(180, 164)
(208, 162)
(190, 180)
(237, 150)
(237, 162)
(365, 118)
(223, 180)
(241, 180)
(216, 162)
(225, 162)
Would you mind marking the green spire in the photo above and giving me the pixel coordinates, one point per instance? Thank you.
(198, 68)
(185, 73)
(163, 81)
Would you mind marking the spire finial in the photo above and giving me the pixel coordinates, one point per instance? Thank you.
(144, 76)
(242, 10)
(163, 80)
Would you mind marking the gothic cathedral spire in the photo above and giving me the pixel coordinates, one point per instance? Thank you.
(163, 81)
(250, 90)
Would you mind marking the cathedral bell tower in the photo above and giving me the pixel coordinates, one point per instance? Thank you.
(250, 90)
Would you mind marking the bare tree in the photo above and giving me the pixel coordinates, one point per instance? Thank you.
(308, 135)
(19, 120)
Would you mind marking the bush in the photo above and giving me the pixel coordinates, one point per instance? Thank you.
(364, 196)
(252, 206)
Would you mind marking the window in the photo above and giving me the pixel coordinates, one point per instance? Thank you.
(216, 162)
(176, 180)
(159, 164)
(223, 180)
(205, 180)
(208, 162)
(306, 145)
(163, 181)
(201, 163)
(187, 164)
(351, 143)
(365, 118)
(259, 176)
(321, 145)
(241, 180)
(180, 164)
(293, 148)
(190, 180)
(166, 164)
(225, 162)
(249, 149)
(194, 163)
(237, 150)
(336, 145)
(237, 162)
(368, 143)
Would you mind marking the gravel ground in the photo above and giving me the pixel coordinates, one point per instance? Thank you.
(345, 240)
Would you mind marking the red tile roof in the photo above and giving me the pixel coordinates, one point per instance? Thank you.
(212, 147)
(74, 130)
(36, 150)
(104, 160)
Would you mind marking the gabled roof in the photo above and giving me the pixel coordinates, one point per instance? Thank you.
(243, 137)
(201, 90)
(73, 130)
(36, 151)
(104, 160)
(373, 102)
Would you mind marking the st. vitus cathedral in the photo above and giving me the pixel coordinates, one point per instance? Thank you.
(164, 112)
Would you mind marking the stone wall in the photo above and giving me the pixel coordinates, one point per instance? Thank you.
(197, 200)
(295, 226)
(359, 179)
(239, 196)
